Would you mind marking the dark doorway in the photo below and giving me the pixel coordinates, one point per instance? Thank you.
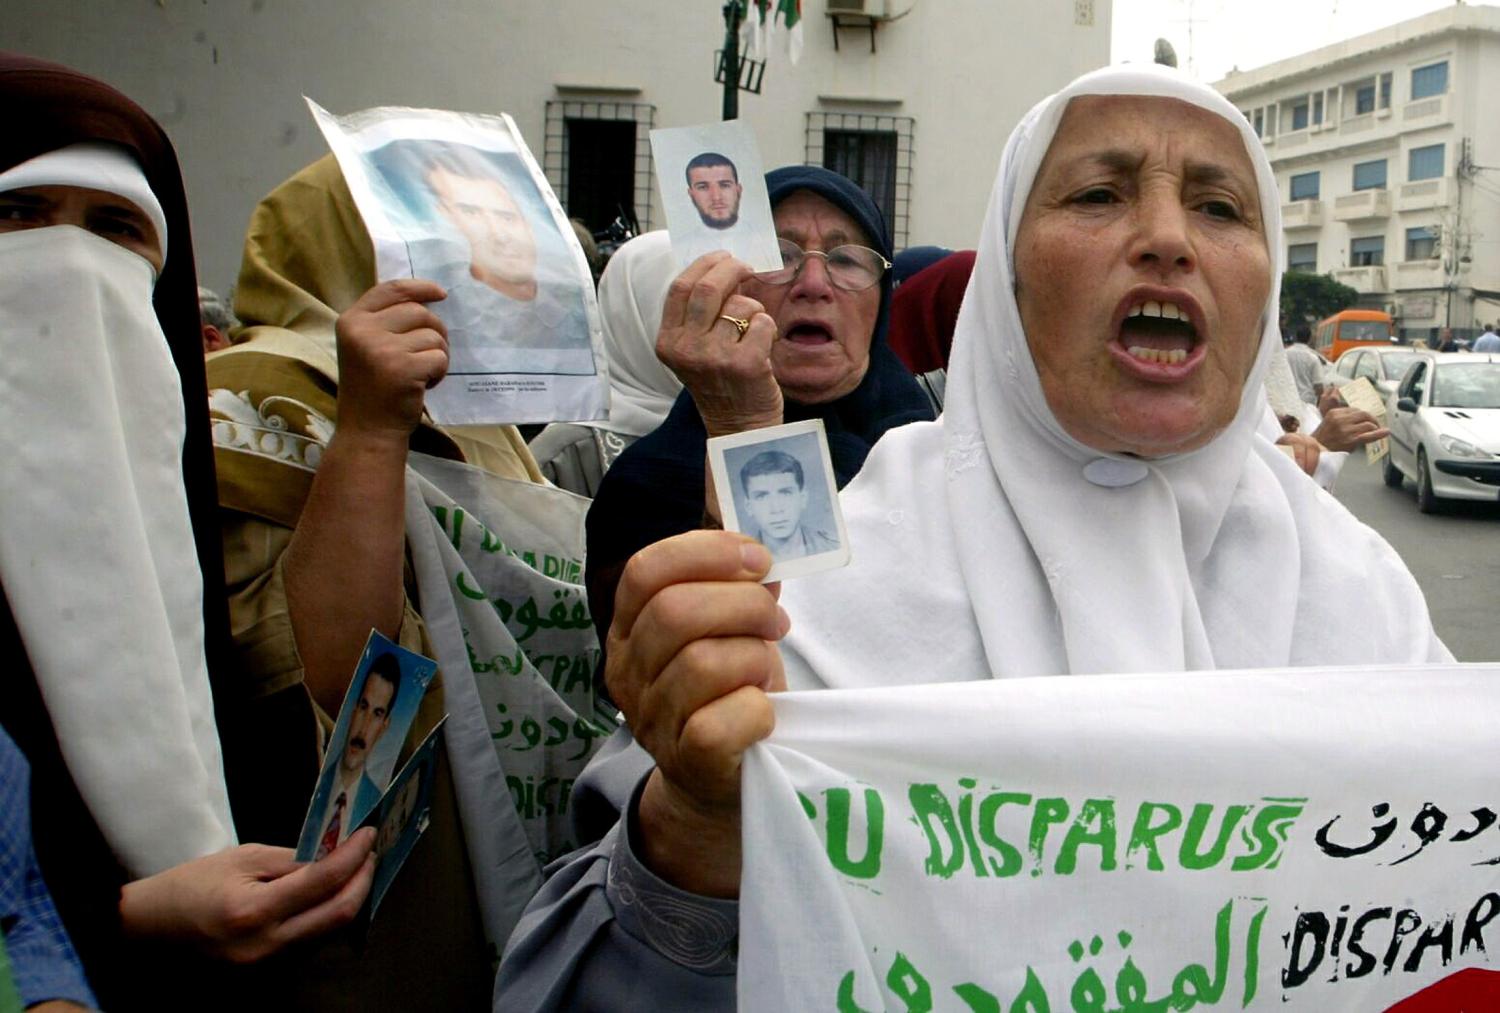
(600, 170)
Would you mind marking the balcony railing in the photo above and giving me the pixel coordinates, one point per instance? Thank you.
(1362, 206)
(1364, 280)
(1424, 193)
(1426, 111)
(1420, 274)
(1302, 214)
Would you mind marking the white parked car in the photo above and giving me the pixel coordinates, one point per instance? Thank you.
(1444, 418)
(1383, 364)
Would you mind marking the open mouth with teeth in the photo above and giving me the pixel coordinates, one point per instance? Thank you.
(1158, 332)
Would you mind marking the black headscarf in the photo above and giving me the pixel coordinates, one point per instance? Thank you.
(48, 107)
(655, 489)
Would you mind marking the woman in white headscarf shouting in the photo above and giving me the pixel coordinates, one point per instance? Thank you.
(1095, 499)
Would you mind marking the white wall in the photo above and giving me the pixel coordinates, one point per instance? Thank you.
(225, 78)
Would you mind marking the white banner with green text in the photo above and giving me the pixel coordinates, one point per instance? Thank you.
(1296, 840)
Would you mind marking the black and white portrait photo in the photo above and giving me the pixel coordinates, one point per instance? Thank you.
(777, 486)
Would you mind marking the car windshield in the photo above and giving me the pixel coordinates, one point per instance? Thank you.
(1364, 330)
(1395, 364)
(1467, 385)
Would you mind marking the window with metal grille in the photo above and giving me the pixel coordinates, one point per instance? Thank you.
(597, 156)
(1367, 251)
(1302, 257)
(1425, 163)
(1429, 80)
(1364, 99)
(875, 152)
(1421, 244)
(1304, 186)
(1370, 175)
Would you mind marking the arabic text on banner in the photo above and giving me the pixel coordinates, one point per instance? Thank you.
(1292, 840)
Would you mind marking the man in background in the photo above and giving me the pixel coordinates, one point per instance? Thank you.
(1309, 369)
(217, 319)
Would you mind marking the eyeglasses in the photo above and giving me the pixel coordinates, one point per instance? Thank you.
(851, 268)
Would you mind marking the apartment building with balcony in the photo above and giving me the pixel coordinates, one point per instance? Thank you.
(1379, 145)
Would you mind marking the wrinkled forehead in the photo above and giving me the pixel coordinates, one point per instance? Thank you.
(803, 213)
(1146, 125)
(1190, 123)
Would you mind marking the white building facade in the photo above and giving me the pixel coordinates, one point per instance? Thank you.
(1380, 145)
(911, 98)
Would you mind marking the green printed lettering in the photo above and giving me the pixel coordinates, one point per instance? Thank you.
(551, 566)
(928, 803)
(1033, 996)
(529, 558)
(458, 526)
(1048, 813)
(1095, 825)
(966, 824)
(1270, 829)
(1252, 958)
(489, 541)
(908, 985)
(464, 589)
(807, 806)
(1190, 855)
(1010, 856)
(977, 999)
(1144, 834)
(441, 513)
(581, 676)
(846, 1003)
(867, 867)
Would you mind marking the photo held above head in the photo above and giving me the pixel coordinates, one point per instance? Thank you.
(713, 192)
(457, 199)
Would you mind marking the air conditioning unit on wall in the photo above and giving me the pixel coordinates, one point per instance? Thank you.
(878, 9)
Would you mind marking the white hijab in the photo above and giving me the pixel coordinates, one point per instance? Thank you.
(97, 555)
(992, 542)
(632, 291)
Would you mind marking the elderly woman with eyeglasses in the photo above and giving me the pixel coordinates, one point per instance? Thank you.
(756, 350)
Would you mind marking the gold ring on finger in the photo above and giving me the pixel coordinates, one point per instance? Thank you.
(741, 325)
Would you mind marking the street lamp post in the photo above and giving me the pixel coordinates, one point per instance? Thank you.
(732, 60)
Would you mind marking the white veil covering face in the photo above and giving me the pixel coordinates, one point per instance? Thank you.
(992, 542)
(632, 292)
(97, 554)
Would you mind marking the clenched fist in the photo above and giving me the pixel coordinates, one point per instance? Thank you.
(392, 350)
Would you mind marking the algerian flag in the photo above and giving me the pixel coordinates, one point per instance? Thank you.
(789, 13)
(753, 30)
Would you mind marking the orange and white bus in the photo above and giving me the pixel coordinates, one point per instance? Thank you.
(1348, 329)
